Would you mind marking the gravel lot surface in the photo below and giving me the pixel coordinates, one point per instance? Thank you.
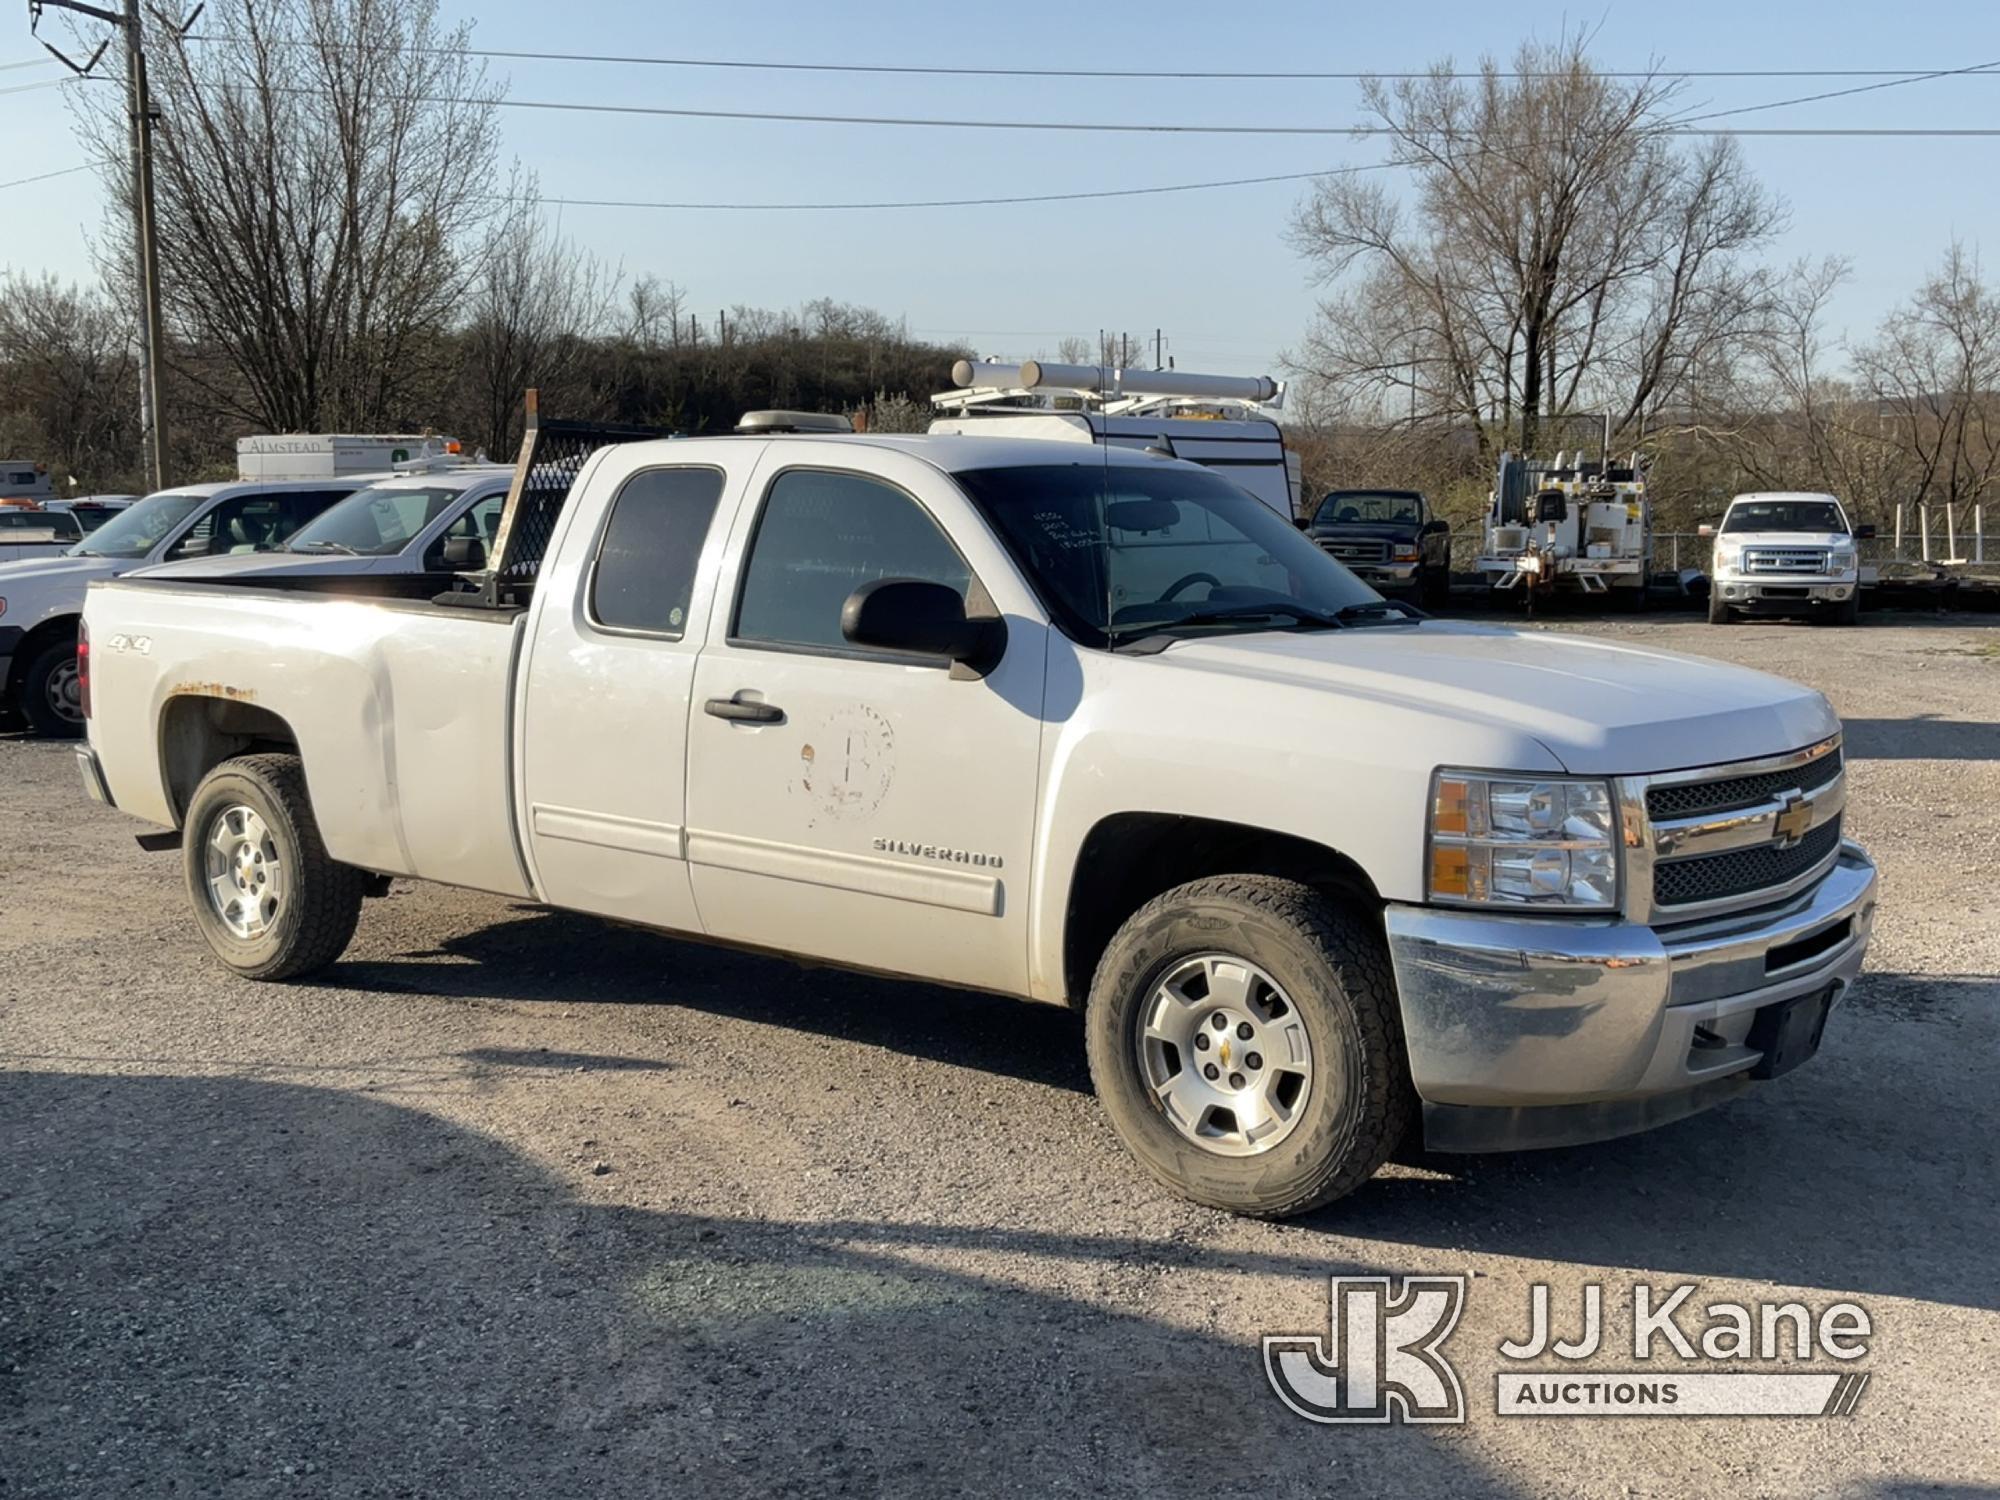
(525, 1203)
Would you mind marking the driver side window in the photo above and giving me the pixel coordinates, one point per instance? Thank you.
(821, 536)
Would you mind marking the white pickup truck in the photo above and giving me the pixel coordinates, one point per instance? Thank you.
(1780, 553)
(1095, 728)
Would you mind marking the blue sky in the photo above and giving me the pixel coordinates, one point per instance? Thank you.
(1212, 267)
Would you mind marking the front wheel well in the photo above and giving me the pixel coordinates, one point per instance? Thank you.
(1129, 858)
(198, 732)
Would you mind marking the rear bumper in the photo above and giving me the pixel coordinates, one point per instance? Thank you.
(1527, 1032)
(94, 784)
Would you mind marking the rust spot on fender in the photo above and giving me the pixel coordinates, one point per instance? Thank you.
(211, 690)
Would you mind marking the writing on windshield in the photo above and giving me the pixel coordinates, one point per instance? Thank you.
(1119, 550)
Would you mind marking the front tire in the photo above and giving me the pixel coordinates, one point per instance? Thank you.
(1310, 1089)
(51, 692)
(1718, 612)
(268, 898)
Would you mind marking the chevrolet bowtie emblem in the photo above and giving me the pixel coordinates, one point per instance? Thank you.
(1794, 820)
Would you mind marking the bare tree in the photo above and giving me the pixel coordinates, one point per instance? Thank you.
(1074, 351)
(70, 378)
(653, 311)
(1560, 250)
(1933, 372)
(325, 169)
(533, 315)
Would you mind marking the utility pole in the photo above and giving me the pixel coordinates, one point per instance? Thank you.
(145, 245)
(1158, 363)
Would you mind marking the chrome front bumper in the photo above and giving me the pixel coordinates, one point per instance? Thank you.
(1778, 588)
(1526, 1031)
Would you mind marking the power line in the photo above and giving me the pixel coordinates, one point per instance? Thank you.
(46, 83)
(519, 55)
(1352, 132)
(1138, 192)
(45, 176)
(1866, 88)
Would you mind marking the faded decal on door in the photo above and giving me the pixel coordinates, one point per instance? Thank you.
(846, 766)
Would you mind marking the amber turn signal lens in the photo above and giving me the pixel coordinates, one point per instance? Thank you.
(1448, 812)
(1449, 864)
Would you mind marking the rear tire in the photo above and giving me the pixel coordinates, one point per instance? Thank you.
(50, 699)
(268, 898)
(1299, 964)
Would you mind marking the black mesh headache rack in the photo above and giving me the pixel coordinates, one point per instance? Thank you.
(553, 453)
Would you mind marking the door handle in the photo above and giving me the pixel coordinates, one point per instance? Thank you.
(739, 711)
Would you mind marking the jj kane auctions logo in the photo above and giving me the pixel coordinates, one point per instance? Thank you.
(1382, 1357)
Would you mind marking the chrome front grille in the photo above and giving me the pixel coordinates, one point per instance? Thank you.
(1687, 799)
(1729, 837)
(1742, 872)
(1355, 549)
(1804, 561)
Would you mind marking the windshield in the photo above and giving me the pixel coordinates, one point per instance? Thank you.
(1125, 551)
(137, 530)
(376, 522)
(1356, 505)
(1784, 515)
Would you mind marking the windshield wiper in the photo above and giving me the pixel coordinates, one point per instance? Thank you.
(1382, 609)
(315, 546)
(1154, 637)
(1300, 614)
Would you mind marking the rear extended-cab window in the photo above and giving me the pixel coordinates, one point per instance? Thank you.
(644, 574)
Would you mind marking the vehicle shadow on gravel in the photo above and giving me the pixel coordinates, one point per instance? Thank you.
(1922, 737)
(223, 1286)
(553, 955)
(1862, 1172)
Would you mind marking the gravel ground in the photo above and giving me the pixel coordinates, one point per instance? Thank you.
(524, 1203)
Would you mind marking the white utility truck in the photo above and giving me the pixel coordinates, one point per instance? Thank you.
(1096, 728)
(41, 599)
(1785, 553)
(1223, 422)
(24, 479)
(36, 533)
(1570, 525)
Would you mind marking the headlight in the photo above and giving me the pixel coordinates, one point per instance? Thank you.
(1403, 552)
(1529, 841)
(1728, 555)
(1840, 559)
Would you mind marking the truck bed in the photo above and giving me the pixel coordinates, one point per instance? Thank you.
(399, 708)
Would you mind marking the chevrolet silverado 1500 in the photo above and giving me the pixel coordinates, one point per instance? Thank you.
(1093, 728)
